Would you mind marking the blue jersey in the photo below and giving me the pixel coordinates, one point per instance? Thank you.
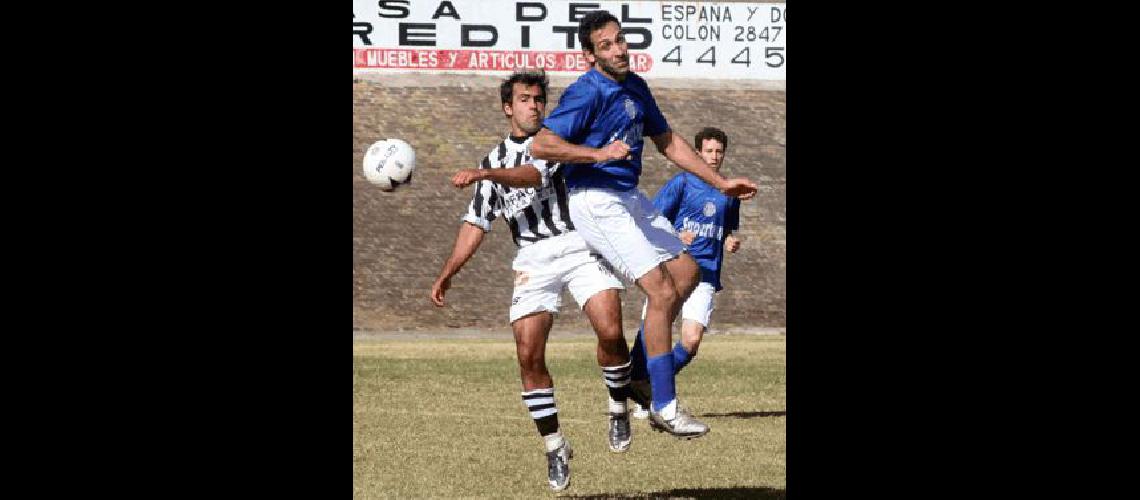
(692, 205)
(595, 111)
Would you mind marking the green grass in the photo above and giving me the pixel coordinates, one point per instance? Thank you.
(443, 418)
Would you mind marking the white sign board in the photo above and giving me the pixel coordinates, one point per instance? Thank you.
(666, 39)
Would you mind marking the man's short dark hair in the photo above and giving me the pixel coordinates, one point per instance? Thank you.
(710, 133)
(526, 77)
(592, 22)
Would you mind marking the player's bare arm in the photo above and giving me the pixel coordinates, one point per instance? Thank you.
(677, 150)
(522, 176)
(467, 241)
(550, 147)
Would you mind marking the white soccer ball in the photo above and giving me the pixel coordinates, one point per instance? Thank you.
(389, 163)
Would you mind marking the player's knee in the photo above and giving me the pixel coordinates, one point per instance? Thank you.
(611, 339)
(663, 297)
(531, 359)
(532, 364)
(687, 276)
(691, 333)
(693, 342)
(609, 334)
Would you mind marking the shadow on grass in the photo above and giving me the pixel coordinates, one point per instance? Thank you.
(739, 492)
(747, 414)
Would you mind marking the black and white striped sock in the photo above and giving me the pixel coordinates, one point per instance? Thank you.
(617, 382)
(540, 403)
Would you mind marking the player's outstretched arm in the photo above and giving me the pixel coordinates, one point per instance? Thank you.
(550, 147)
(522, 176)
(681, 153)
(467, 241)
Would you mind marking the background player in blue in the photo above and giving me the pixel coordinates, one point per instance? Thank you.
(705, 219)
(597, 130)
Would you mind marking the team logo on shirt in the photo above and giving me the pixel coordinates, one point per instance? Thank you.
(519, 199)
(710, 209)
(521, 277)
(630, 108)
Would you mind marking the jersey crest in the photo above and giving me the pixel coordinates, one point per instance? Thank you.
(710, 209)
(630, 108)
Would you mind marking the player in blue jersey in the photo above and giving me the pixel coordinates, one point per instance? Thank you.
(705, 219)
(597, 131)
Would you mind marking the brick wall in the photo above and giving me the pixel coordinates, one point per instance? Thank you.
(401, 239)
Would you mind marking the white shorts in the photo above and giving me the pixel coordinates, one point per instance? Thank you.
(543, 268)
(698, 307)
(625, 228)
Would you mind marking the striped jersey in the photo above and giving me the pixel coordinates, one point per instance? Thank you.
(532, 214)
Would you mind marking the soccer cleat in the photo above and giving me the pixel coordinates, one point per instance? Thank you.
(558, 466)
(639, 412)
(683, 424)
(641, 392)
(619, 432)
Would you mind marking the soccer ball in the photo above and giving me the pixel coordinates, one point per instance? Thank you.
(389, 163)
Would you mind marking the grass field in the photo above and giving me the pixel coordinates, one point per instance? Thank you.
(443, 418)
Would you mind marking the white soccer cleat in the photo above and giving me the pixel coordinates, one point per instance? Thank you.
(639, 412)
(683, 425)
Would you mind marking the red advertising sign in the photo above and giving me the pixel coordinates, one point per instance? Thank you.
(483, 60)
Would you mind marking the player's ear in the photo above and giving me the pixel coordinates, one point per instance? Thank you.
(507, 110)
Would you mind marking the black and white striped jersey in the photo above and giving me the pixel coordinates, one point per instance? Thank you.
(532, 214)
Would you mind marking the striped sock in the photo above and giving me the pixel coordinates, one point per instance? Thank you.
(617, 382)
(540, 403)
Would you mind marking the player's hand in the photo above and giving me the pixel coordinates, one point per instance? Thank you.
(616, 150)
(466, 177)
(687, 237)
(438, 289)
(731, 244)
(739, 188)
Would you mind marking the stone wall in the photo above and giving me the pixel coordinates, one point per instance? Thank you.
(401, 239)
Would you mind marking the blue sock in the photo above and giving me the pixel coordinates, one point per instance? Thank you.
(637, 355)
(681, 357)
(661, 377)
